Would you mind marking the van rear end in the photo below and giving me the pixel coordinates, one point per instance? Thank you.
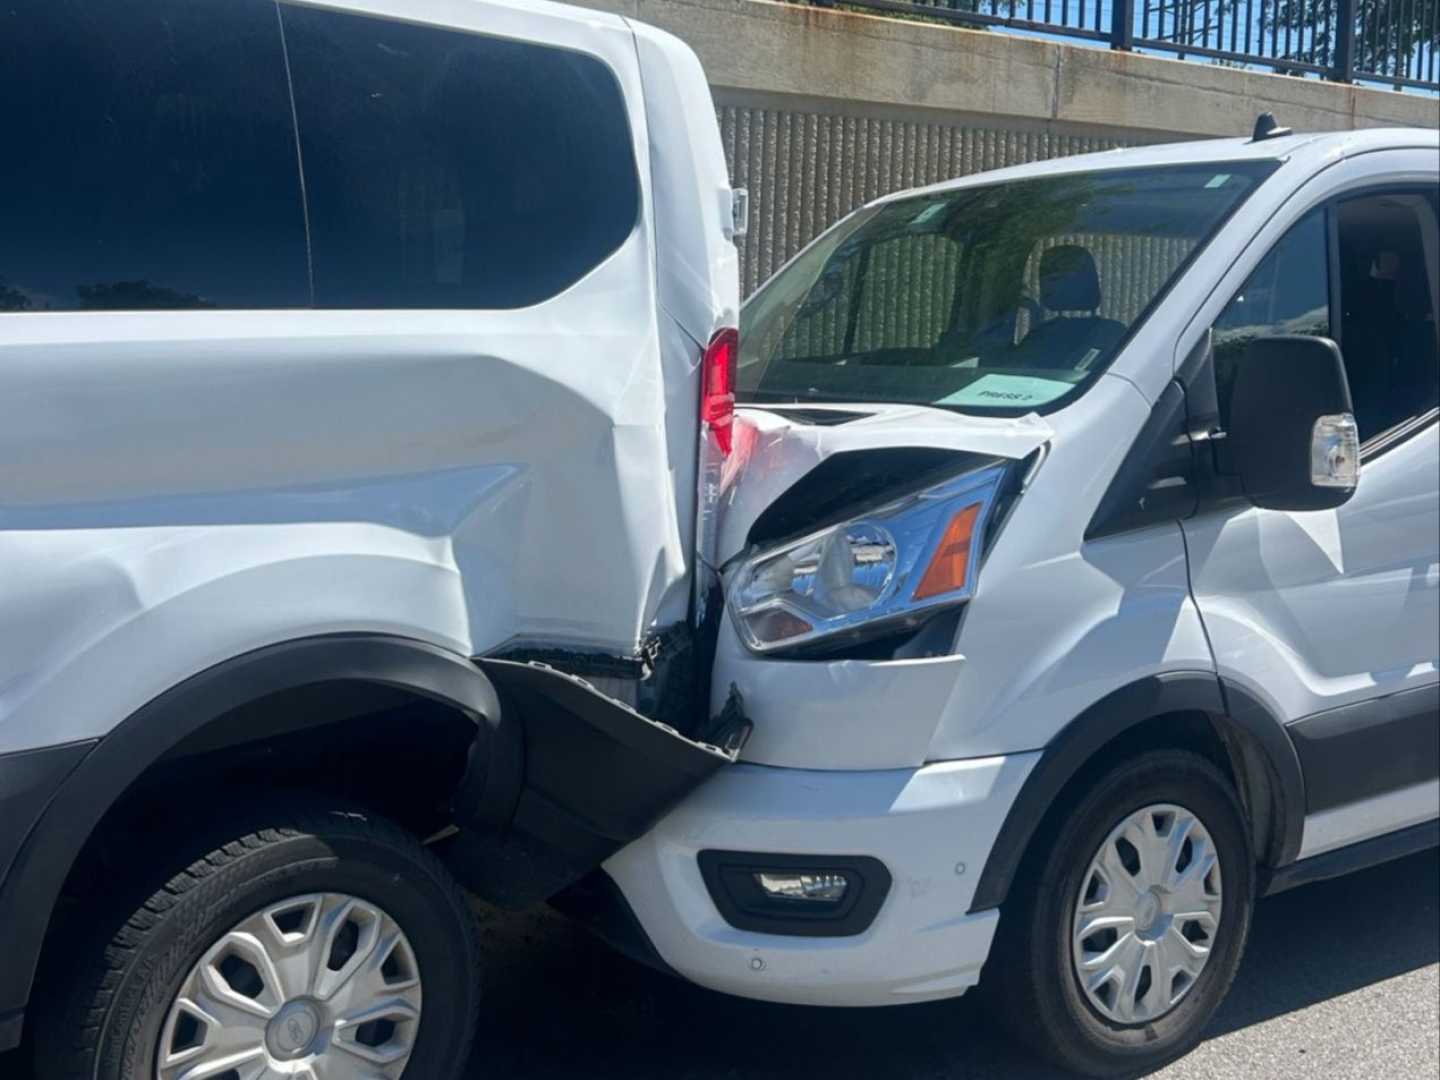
(354, 419)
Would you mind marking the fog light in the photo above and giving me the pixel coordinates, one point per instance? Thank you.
(821, 888)
(799, 895)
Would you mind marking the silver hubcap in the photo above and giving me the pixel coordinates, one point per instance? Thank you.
(319, 987)
(1147, 914)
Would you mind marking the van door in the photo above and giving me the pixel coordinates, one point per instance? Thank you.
(498, 166)
(1332, 618)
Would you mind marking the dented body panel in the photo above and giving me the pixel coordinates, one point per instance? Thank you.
(773, 451)
(1043, 585)
(481, 480)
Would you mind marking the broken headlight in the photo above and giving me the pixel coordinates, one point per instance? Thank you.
(885, 571)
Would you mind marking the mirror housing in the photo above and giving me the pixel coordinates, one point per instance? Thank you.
(1292, 437)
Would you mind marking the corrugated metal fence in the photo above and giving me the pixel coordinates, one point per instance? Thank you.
(806, 168)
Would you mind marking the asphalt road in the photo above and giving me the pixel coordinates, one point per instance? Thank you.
(1341, 982)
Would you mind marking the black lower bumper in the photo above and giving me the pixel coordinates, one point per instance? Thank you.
(596, 775)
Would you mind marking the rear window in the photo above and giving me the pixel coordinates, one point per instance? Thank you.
(453, 170)
(1006, 297)
(148, 158)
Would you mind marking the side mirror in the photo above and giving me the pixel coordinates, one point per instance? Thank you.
(1292, 436)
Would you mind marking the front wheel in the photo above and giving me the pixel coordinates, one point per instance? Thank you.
(314, 943)
(1126, 930)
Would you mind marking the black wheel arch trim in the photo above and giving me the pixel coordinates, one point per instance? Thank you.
(1256, 738)
(30, 891)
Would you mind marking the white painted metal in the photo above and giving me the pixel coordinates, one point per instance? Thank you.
(771, 453)
(183, 487)
(1312, 611)
(1055, 625)
(1357, 822)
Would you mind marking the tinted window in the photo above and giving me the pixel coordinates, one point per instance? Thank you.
(1005, 296)
(149, 157)
(1289, 293)
(1388, 281)
(453, 170)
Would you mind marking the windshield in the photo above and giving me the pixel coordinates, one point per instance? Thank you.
(1003, 298)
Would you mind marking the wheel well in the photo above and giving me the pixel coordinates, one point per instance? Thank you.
(1224, 744)
(391, 750)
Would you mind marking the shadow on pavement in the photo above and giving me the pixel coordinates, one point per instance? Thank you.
(560, 1004)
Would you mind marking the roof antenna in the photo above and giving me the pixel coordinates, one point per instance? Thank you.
(1267, 128)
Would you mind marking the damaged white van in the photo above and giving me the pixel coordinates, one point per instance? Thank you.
(1081, 550)
(375, 515)
(342, 344)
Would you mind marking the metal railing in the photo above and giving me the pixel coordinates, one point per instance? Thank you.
(1394, 42)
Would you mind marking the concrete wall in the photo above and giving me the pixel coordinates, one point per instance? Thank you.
(822, 110)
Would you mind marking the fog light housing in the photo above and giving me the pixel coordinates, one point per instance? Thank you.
(796, 895)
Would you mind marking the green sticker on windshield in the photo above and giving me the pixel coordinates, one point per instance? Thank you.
(1007, 391)
(932, 211)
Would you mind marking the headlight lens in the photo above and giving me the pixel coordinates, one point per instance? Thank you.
(885, 569)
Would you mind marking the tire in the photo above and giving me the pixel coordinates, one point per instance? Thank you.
(343, 869)
(1037, 963)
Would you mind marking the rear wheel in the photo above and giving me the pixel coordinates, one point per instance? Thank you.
(1125, 931)
(320, 944)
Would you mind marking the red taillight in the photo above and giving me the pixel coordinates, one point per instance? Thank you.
(717, 395)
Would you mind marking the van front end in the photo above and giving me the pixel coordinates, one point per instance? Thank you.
(838, 863)
(821, 887)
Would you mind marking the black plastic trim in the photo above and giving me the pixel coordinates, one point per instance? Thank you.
(729, 878)
(27, 781)
(12, 1026)
(597, 774)
(29, 893)
(853, 482)
(1244, 720)
(1369, 748)
(1353, 857)
(1286, 778)
(1155, 483)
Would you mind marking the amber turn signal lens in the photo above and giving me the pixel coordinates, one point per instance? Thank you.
(950, 567)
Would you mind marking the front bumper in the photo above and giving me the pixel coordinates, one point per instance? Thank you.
(932, 827)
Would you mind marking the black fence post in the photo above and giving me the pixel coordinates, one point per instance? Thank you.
(1344, 66)
(1122, 24)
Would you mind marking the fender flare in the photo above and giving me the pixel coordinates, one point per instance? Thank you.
(30, 890)
(1239, 718)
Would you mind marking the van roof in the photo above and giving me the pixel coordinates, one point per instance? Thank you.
(446, 12)
(1315, 146)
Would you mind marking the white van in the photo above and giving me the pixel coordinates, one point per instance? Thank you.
(1078, 590)
(343, 343)
(374, 514)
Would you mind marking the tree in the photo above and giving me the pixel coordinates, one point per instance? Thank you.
(1392, 37)
(12, 299)
(136, 296)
